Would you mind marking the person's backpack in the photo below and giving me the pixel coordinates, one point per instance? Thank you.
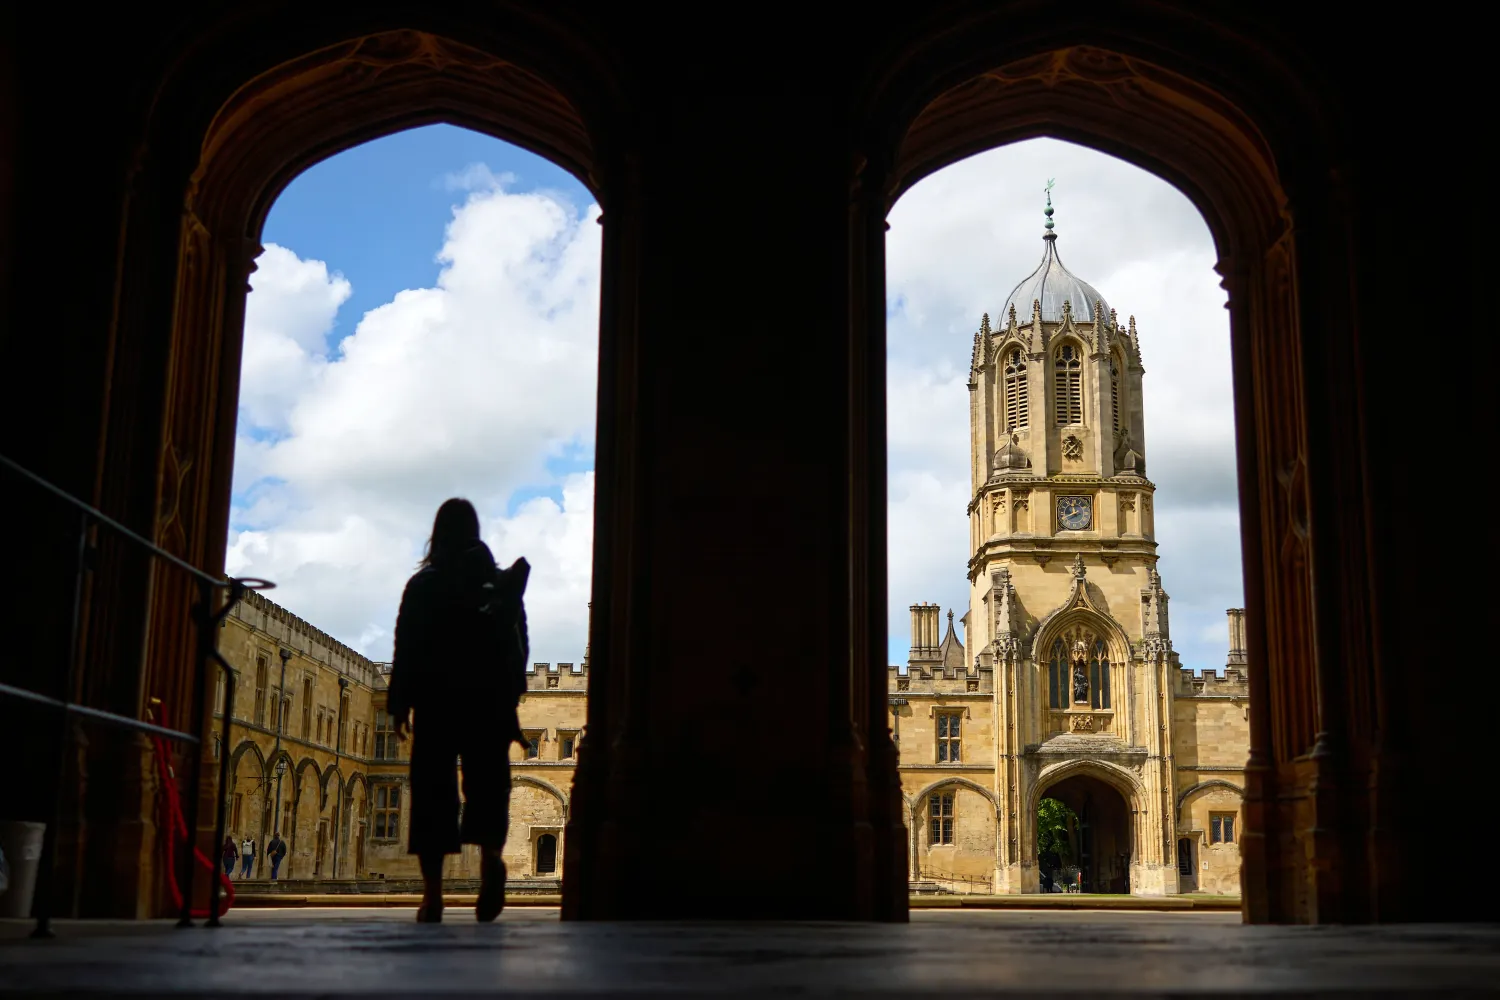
(502, 609)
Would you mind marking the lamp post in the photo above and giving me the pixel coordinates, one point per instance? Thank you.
(285, 654)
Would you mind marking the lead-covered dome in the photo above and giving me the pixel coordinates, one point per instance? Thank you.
(1052, 285)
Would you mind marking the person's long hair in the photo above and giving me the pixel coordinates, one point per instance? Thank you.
(454, 529)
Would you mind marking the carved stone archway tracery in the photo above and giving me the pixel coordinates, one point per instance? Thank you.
(218, 159)
(1239, 151)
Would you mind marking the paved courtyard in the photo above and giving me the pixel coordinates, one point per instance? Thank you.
(307, 952)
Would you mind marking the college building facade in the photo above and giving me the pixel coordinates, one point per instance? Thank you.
(1068, 687)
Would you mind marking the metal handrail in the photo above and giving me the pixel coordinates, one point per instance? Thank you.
(208, 621)
(934, 873)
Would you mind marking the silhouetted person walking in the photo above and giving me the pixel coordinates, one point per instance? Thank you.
(460, 665)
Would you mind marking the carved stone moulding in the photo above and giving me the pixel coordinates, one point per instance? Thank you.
(1188, 133)
(320, 103)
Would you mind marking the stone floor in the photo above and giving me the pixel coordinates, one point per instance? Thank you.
(307, 952)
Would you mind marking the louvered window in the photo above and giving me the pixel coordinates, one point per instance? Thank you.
(1068, 367)
(1015, 390)
(1114, 393)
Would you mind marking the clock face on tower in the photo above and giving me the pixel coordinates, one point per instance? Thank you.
(1075, 513)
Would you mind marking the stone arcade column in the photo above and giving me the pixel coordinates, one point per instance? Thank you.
(736, 754)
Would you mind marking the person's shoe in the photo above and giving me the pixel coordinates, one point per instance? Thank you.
(491, 890)
(429, 914)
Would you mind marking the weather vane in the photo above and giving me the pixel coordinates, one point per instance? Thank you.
(1048, 210)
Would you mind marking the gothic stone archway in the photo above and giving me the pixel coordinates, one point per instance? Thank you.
(1104, 837)
(1318, 257)
(230, 127)
(1237, 146)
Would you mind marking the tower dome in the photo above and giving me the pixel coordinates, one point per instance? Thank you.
(1051, 284)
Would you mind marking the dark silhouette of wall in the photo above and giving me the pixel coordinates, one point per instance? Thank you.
(745, 162)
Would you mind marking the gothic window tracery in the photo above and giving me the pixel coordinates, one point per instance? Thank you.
(1057, 672)
(1099, 675)
(1078, 671)
(1068, 376)
(1016, 408)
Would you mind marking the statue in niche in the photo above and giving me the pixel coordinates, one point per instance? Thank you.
(1080, 673)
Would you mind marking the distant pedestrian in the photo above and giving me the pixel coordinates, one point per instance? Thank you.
(459, 662)
(276, 850)
(247, 856)
(228, 854)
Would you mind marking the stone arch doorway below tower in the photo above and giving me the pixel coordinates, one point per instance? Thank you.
(1100, 837)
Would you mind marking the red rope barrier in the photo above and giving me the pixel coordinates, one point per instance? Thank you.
(175, 823)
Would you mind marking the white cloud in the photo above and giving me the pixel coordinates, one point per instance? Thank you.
(558, 542)
(467, 388)
(286, 328)
(470, 387)
(960, 240)
(477, 177)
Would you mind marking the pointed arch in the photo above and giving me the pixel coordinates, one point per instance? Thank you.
(916, 801)
(1204, 786)
(546, 786)
(357, 778)
(337, 775)
(1117, 777)
(1071, 614)
(305, 764)
(279, 755)
(250, 747)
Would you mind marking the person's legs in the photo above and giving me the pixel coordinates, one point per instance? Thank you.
(275, 864)
(486, 818)
(245, 866)
(431, 910)
(434, 812)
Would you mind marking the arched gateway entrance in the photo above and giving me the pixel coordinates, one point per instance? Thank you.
(1275, 136)
(1099, 838)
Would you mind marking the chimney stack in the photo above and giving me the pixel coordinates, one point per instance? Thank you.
(1236, 637)
(925, 634)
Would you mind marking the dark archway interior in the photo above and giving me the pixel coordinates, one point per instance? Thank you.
(741, 455)
(1102, 838)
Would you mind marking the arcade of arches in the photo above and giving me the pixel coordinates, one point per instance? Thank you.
(304, 700)
(739, 566)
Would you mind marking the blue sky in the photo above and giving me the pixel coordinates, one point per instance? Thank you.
(427, 244)
(424, 323)
(377, 212)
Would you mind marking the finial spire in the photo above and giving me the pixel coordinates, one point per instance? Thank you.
(1048, 210)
